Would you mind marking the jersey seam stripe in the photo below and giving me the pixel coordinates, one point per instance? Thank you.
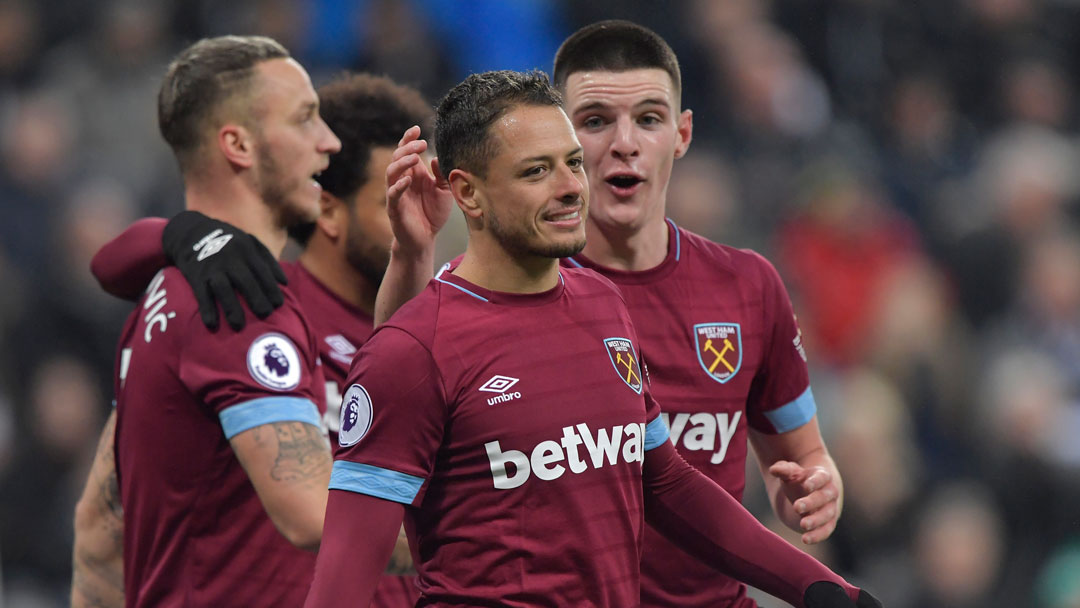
(477, 296)
(656, 433)
(678, 241)
(793, 414)
(375, 481)
(238, 418)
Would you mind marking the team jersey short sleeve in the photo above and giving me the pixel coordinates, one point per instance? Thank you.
(780, 399)
(393, 416)
(260, 375)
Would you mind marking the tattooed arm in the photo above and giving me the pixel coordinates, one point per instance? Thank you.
(97, 562)
(289, 465)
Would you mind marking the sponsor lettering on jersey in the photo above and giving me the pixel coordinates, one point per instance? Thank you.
(707, 432)
(512, 468)
(719, 349)
(356, 415)
(274, 362)
(155, 301)
(500, 384)
(797, 341)
(621, 352)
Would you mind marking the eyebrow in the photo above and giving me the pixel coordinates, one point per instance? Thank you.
(597, 105)
(544, 157)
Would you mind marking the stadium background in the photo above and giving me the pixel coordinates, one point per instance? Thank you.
(910, 167)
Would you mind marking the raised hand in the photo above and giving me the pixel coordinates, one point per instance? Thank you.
(813, 495)
(418, 200)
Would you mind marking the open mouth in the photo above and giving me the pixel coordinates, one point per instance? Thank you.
(624, 181)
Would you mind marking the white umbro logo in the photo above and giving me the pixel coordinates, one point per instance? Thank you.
(211, 244)
(498, 384)
(342, 349)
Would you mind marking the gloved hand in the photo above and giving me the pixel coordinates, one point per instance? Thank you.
(826, 594)
(218, 259)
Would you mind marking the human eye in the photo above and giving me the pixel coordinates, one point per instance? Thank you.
(575, 162)
(592, 122)
(650, 120)
(534, 171)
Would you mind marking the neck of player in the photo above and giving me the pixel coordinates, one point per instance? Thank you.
(241, 208)
(500, 271)
(627, 248)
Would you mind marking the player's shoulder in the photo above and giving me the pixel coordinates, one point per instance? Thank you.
(417, 318)
(743, 263)
(582, 279)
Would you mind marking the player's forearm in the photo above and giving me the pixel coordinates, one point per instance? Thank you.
(96, 582)
(97, 559)
(406, 276)
(705, 521)
(125, 265)
(360, 535)
(97, 578)
(288, 463)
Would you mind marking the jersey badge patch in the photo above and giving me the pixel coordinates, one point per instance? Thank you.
(719, 349)
(274, 362)
(622, 355)
(355, 415)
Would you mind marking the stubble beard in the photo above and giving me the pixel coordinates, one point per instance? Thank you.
(366, 257)
(517, 242)
(274, 190)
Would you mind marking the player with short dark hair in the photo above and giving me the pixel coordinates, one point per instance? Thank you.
(346, 250)
(505, 411)
(725, 353)
(220, 458)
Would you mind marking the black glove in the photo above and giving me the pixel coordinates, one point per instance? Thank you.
(217, 258)
(825, 594)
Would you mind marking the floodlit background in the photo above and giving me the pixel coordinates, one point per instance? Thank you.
(910, 167)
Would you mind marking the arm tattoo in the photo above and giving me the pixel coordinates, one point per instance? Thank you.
(109, 486)
(303, 453)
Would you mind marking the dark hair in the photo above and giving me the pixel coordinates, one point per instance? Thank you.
(615, 46)
(365, 112)
(463, 118)
(201, 79)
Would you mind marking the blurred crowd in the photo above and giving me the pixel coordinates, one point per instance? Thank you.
(910, 167)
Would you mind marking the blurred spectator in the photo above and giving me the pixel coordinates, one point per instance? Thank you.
(1058, 585)
(870, 437)
(53, 449)
(958, 545)
(1023, 189)
(837, 252)
(703, 193)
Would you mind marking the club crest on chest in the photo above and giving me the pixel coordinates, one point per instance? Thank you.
(719, 349)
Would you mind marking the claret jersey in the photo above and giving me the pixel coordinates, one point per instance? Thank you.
(340, 330)
(514, 428)
(725, 354)
(195, 532)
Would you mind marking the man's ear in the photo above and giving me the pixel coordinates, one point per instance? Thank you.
(237, 144)
(332, 216)
(463, 185)
(685, 132)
